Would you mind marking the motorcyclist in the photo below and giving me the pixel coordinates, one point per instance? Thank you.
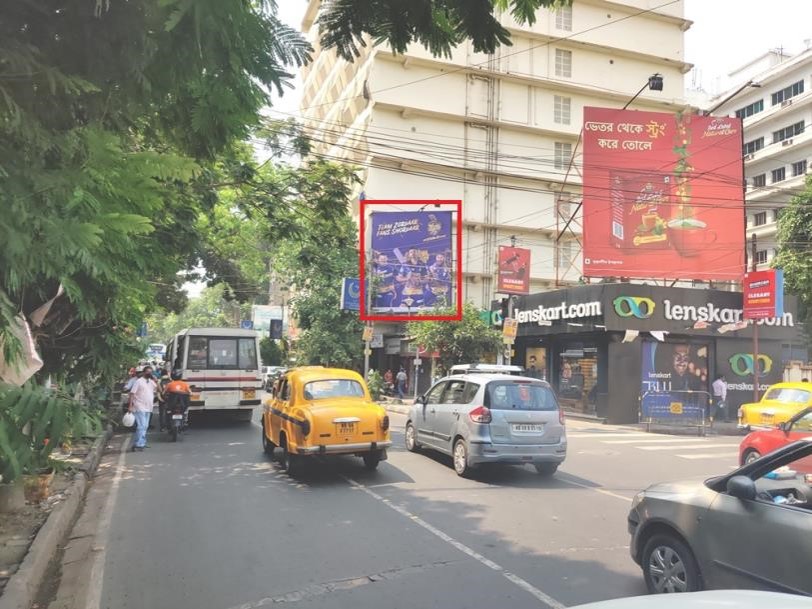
(177, 394)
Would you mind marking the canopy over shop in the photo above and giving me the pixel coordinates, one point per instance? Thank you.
(603, 347)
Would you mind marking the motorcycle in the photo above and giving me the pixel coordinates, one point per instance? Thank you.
(177, 420)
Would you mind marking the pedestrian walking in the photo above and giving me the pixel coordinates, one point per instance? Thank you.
(162, 383)
(720, 396)
(142, 399)
(401, 379)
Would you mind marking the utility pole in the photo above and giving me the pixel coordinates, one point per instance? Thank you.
(368, 329)
(754, 267)
(509, 354)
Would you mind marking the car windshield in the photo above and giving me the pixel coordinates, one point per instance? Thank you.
(787, 395)
(506, 395)
(333, 388)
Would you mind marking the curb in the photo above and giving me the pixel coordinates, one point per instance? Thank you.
(21, 589)
(396, 408)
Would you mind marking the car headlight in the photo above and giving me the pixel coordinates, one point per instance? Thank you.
(638, 498)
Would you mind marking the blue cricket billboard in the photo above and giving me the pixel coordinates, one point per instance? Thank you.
(411, 261)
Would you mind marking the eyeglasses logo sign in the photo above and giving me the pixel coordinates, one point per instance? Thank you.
(742, 364)
(634, 306)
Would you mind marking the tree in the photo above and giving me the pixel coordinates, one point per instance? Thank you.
(438, 25)
(795, 240)
(458, 342)
(273, 352)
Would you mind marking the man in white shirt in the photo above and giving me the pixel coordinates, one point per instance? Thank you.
(720, 396)
(142, 398)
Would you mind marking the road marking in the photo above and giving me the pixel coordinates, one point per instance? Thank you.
(678, 447)
(96, 578)
(602, 491)
(656, 441)
(706, 456)
(600, 434)
(515, 579)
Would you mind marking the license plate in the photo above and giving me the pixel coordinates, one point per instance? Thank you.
(767, 418)
(177, 417)
(346, 429)
(249, 394)
(526, 428)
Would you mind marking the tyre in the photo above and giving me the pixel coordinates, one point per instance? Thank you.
(291, 464)
(669, 566)
(371, 460)
(411, 438)
(267, 446)
(173, 432)
(546, 469)
(750, 456)
(460, 454)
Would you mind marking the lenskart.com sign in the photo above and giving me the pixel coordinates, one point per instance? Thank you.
(713, 314)
(544, 316)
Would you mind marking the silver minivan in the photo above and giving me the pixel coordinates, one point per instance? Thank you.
(490, 418)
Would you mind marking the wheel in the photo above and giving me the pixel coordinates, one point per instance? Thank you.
(750, 456)
(411, 438)
(173, 432)
(460, 454)
(267, 445)
(292, 464)
(371, 460)
(546, 469)
(669, 566)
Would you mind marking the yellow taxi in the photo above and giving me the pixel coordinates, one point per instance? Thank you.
(317, 411)
(779, 404)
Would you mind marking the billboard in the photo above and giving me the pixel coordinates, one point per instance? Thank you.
(663, 195)
(411, 266)
(514, 270)
(262, 315)
(675, 380)
(763, 294)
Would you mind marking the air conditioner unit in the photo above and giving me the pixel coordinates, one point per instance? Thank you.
(787, 142)
(786, 103)
(749, 157)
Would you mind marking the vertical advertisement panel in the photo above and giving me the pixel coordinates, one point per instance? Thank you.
(514, 270)
(763, 294)
(663, 195)
(412, 263)
(674, 381)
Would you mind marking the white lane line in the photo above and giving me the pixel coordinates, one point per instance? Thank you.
(602, 491)
(96, 579)
(515, 579)
(678, 447)
(707, 456)
(657, 441)
(598, 434)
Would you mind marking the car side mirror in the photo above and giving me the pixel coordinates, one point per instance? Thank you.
(423, 400)
(741, 487)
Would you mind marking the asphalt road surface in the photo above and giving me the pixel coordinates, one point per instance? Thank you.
(211, 523)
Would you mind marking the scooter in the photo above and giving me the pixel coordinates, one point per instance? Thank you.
(177, 421)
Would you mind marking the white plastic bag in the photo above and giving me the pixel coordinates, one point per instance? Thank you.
(128, 420)
(28, 362)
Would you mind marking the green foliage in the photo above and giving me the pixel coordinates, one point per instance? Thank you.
(273, 352)
(438, 25)
(458, 342)
(375, 384)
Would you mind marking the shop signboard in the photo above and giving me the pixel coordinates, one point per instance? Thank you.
(514, 270)
(350, 294)
(763, 294)
(412, 261)
(509, 329)
(663, 195)
(367, 334)
(674, 381)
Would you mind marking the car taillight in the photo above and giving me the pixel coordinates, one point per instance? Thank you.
(385, 422)
(561, 418)
(305, 428)
(480, 414)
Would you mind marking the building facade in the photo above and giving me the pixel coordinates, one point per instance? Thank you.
(499, 132)
(773, 96)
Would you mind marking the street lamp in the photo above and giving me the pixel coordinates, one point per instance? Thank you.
(655, 83)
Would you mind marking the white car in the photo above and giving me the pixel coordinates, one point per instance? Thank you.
(713, 599)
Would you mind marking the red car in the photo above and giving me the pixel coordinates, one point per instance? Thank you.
(760, 443)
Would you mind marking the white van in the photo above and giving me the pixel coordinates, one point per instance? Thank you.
(222, 367)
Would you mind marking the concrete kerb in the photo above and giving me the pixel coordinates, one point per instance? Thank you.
(21, 589)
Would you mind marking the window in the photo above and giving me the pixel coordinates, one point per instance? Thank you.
(776, 214)
(248, 354)
(751, 109)
(561, 109)
(333, 388)
(760, 180)
(563, 18)
(760, 218)
(222, 353)
(799, 168)
(761, 257)
(563, 153)
(751, 146)
(453, 393)
(519, 395)
(779, 174)
(198, 352)
(788, 92)
(284, 391)
(788, 132)
(471, 390)
(180, 352)
(563, 63)
(433, 396)
(786, 395)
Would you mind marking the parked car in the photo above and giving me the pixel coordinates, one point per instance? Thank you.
(270, 374)
(746, 529)
(490, 418)
(779, 404)
(324, 411)
(712, 599)
(487, 369)
(760, 443)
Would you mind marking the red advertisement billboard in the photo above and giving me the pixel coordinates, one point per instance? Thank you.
(514, 270)
(663, 195)
(763, 294)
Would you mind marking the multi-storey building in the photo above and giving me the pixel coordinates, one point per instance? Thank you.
(500, 131)
(773, 96)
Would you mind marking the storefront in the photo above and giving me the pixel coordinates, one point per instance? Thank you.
(602, 347)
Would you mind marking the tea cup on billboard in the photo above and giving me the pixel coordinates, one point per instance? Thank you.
(690, 236)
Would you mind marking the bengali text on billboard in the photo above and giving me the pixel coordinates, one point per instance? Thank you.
(514, 270)
(663, 195)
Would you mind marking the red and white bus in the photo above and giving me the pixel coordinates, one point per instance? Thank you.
(222, 366)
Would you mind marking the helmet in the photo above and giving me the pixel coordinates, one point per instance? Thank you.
(177, 374)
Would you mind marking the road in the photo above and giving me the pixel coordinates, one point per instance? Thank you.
(211, 523)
